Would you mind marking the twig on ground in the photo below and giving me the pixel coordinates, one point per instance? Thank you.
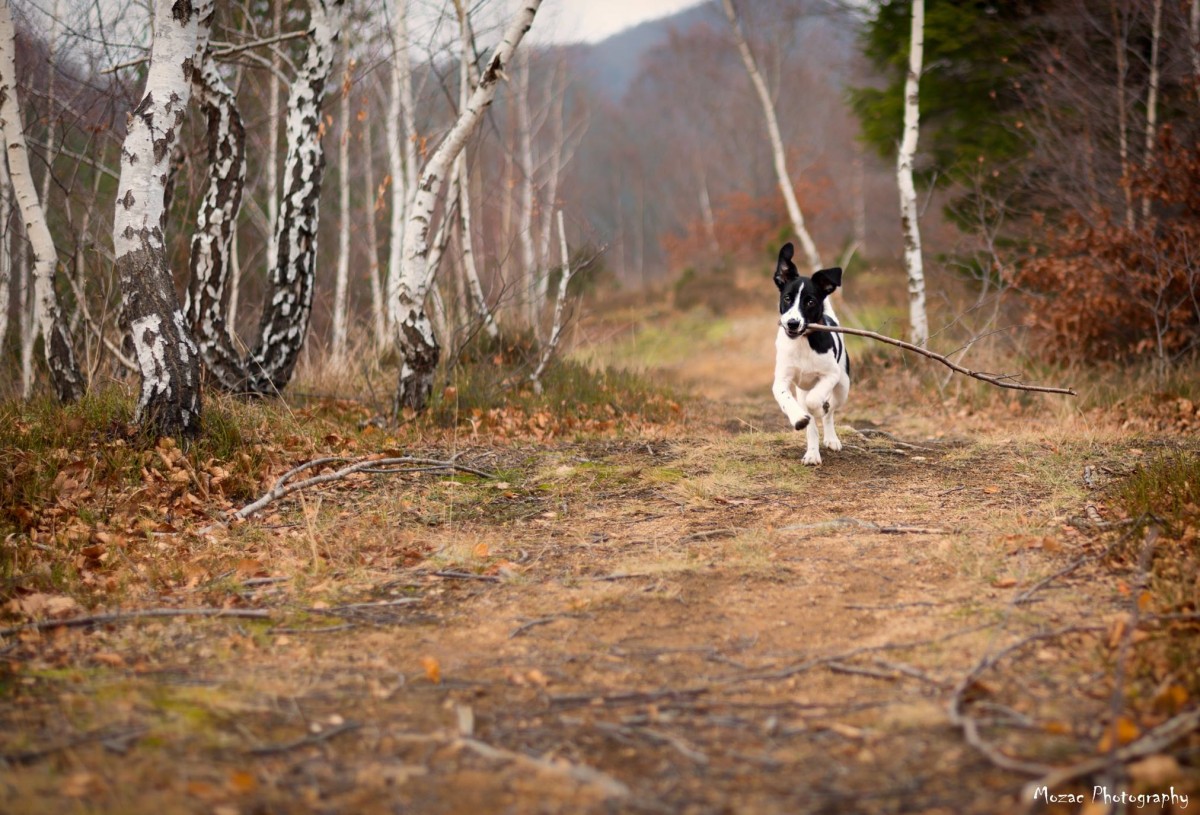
(1151, 742)
(140, 614)
(656, 736)
(999, 380)
(581, 773)
(871, 525)
(103, 735)
(451, 574)
(970, 726)
(307, 741)
(374, 464)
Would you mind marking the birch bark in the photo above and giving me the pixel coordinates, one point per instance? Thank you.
(1152, 97)
(283, 325)
(60, 355)
(466, 80)
(371, 197)
(341, 280)
(416, 344)
(5, 248)
(777, 148)
(402, 151)
(909, 215)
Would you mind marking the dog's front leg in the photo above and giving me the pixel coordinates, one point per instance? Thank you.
(791, 407)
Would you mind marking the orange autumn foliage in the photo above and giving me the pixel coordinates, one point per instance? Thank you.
(1103, 290)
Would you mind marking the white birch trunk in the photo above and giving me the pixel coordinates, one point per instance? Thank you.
(1194, 37)
(466, 78)
(1120, 40)
(1152, 97)
(5, 249)
(167, 357)
(564, 281)
(27, 326)
(777, 148)
(909, 215)
(371, 197)
(558, 147)
(402, 151)
(283, 325)
(60, 356)
(529, 264)
(341, 281)
(416, 344)
(273, 118)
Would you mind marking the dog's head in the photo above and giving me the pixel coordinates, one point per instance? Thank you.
(802, 299)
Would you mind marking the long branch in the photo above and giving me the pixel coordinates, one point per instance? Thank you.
(285, 486)
(999, 380)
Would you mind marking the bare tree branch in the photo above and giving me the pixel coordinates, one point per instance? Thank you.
(999, 380)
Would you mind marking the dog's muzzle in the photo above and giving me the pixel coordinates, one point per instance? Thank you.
(793, 328)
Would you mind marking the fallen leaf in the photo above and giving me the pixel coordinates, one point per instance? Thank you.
(242, 781)
(1125, 731)
(1004, 582)
(433, 670)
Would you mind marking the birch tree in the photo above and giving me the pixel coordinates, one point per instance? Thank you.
(1152, 97)
(909, 215)
(283, 326)
(402, 150)
(60, 355)
(5, 247)
(342, 277)
(167, 358)
(777, 148)
(416, 343)
(467, 79)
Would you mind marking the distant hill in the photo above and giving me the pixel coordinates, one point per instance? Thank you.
(610, 66)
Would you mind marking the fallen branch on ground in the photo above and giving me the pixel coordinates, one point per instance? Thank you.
(234, 613)
(377, 465)
(999, 380)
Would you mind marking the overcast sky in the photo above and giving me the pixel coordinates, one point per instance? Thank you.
(593, 20)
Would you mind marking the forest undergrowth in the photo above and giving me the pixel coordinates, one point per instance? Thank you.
(623, 594)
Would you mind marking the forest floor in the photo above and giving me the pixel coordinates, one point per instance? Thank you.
(682, 619)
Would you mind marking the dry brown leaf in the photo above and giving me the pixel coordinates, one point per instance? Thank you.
(1155, 770)
(433, 669)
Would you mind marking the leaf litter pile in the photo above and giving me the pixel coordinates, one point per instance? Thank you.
(666, 615)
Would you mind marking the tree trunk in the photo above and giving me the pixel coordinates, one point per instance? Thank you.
(1120, 39)
(371, 199)
(402, 152)
(341, 281)
(1152, 97)
(417, 346)
(909, 216)
(273, 118)
(462, 173)
(216, 226)
(777, 148)
(564, 283)
(60, 356)
(27, 326)
(284, 322)
(5, 250)
(166, 354)
(1194, 38)
(529, 261)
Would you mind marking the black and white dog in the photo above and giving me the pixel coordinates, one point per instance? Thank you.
(812, 369)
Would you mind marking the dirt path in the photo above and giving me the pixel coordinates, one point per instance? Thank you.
(687, 624)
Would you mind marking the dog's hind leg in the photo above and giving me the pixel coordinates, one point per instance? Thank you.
(836, 399)
(812, 455)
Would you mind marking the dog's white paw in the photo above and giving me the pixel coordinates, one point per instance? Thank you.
(833, 443)
(812, 458)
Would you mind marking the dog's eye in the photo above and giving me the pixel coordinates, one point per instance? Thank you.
(809, 301)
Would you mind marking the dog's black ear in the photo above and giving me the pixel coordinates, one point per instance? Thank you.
(827, 280)
(785, 270)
